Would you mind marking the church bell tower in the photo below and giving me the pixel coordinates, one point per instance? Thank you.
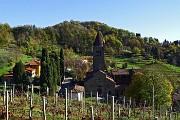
(98, 53)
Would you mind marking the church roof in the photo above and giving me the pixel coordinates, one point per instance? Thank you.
(107, 77)
(125, 71)
(99, 41)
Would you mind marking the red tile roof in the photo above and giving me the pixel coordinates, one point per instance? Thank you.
(29, 69)
(32, 63)
(8, 75)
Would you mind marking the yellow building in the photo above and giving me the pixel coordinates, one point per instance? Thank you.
(35, 65)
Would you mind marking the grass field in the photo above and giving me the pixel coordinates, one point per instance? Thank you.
(135, 63)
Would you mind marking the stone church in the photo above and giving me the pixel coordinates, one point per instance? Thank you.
(98, 80)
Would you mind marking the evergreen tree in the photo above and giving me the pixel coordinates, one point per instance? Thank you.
(19, 73)
(61, 65)
(55, 68)
(45, 68)
(155, 52)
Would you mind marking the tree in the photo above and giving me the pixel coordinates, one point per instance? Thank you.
(45, 68)
(55, 71)
(62, 65)
(142, 84)
(136, 50)
(155, 52)
(6, 36)
(19, 73)
(134, 89)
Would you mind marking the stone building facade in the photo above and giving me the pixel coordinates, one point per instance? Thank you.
(98, 80)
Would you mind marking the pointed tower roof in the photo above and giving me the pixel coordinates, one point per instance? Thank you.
(99, 41)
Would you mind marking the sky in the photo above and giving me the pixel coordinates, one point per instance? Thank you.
(152, 18)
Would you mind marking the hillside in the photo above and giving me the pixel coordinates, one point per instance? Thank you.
(77, 38)
(8, 58)
(30, 39)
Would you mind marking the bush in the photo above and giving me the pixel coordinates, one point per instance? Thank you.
(124, 66)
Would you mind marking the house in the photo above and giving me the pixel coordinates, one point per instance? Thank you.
(122, 77)
(31, 72)
(34, 65)
(7, 77)
(77, 92)
(32, 69)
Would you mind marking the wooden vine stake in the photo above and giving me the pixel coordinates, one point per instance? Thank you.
(107, 99)
(66, 104)
(124, 102)
(84, 100)
(160, 112)
(92, 114)
(129, 108)
(44, 107)
(47, 91)
(56, 96)
(13, 88)
(170, 113)
(30, 110)
(112, 107)
(4, 93)
(153, 101)
(91, 98)
(7, 105)
(32, 90)
(97, 97)
(11, 95)
(82, 103)
(71, 97)
(119, 111)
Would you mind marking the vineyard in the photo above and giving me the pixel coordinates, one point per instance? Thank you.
(29, 105)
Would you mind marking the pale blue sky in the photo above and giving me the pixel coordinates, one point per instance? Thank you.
(156, 18)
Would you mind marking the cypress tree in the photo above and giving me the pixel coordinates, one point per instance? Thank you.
(19, 73)
(54, 71)
(45, 69)
(61, 65)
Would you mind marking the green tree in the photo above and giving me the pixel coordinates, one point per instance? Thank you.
(62, 65)
(155, 51)
(45, 68)
(55, 72)
(136, 50)
(19, 73)
(6, 36)
(134, 89)
(142, 84)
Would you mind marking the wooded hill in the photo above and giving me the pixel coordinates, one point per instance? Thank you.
(79, 36)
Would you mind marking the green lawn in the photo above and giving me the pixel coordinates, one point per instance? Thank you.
(132, 62)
